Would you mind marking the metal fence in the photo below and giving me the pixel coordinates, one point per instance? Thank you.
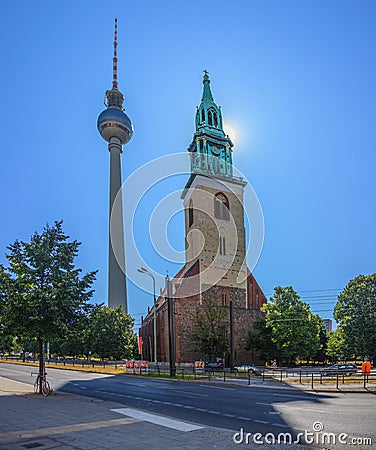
(311, 376)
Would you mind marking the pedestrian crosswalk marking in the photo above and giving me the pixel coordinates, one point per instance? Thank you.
(157, 419)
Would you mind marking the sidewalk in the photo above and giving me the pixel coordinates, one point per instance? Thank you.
(65, 421)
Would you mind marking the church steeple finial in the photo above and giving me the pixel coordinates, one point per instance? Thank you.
(207, 95)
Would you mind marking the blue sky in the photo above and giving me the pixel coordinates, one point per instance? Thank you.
(296, 80)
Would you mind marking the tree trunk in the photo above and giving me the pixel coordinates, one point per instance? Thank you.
(41, 362)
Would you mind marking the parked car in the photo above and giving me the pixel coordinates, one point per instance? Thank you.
(246, 368)
(347, 369)
(214, 365)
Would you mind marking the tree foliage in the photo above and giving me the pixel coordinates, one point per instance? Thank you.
(210, 326)
(45, 292)
(260, 339)
(336, 344)
(110, 333)
(289, 329)
(356, 313)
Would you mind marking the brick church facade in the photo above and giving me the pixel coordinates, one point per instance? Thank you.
(215, 252)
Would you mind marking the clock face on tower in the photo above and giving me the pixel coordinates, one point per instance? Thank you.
(216, 151)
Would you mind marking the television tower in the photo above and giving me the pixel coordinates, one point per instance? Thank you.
(116, 128)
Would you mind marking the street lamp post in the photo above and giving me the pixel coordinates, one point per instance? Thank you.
(143, 270)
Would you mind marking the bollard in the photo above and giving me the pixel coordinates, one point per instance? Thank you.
(300, 377)
(337, 381)
(263, 375)
(312, 381)
(224, 375)
(249, 378)
(364, 381)
(320, 378)
(343, 378)
(281, 376)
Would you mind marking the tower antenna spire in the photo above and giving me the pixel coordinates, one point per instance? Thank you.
(115, 60)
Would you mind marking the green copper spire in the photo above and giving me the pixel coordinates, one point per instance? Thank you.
(211, 148)
(207, 96)
(208, 115)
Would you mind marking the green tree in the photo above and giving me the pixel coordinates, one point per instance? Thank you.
(295, 331)
(110, 334)
(210, 326)
(45, 292)
(356, 313)
(260, 339)
(73, 343)
(336, 348)
(322, 351)
(6, 343)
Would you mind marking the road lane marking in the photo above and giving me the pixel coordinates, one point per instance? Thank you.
(278, 405)
(260, 421)
(214, 412)
(229, 415)
(201, 409)
(243, 418)
(217, 387)
(190, 393)
(305, 397)
(158, 420)
(275, 424)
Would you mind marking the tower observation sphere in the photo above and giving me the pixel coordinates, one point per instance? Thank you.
(113, 122)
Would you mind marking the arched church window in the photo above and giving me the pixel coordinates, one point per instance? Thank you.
(221, 207)
(190, 213)
(202, 115)
(222, 245)
(225, 297)
(210, 117)
(215, 119)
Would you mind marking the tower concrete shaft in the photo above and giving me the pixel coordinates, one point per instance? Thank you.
(117, 290)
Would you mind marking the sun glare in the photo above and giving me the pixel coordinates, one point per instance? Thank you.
(230, 130)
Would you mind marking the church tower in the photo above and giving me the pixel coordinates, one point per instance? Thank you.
(213, 203)
(215, 251)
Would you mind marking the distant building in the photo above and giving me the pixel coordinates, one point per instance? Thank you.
(215, 265)
(328, 324)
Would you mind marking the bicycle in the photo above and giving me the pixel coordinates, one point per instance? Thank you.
(42, 380)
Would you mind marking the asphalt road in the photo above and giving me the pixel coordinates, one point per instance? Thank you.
(231, 407)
